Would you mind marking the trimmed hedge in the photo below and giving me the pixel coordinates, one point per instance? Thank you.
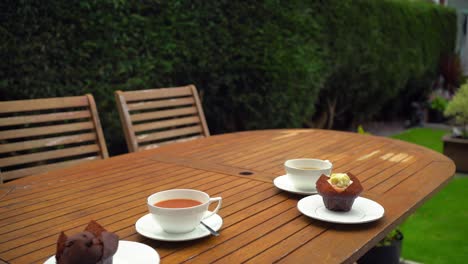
(256, 64)
(383, 54)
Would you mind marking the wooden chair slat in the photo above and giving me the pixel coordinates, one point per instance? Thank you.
(164, 114)
(48, 155)
(31, 119)
(45, 130)
(161, 103)
(167, 123)
(169, 134)
(41, 132)
(198, 103)
(42, 104)
(126, 121)
(170, 111)
(157, 93)
(10, 175)
(47, 142)
(97, 127)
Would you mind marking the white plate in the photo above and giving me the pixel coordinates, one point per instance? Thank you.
(363, 211)
(147, 227)
(283, 183)
(129, 252)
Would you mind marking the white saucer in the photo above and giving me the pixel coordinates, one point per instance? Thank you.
(363, 211)
(129, 252)
(147, 227)
(283, 183)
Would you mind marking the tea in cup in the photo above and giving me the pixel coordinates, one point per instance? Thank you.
(181, 210)
(304, 173)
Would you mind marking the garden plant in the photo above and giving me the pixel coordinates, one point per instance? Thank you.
(458, 108)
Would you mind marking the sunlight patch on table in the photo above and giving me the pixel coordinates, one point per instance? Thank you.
(387, 156)
(368, 155)
(399, 157)
(291, 133)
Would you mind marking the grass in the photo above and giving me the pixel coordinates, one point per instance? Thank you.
(438, 231)
(427, 137)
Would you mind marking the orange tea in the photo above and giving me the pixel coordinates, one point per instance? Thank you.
(177, 203)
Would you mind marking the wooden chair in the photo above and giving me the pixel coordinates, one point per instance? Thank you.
(39, 135)
(151, 118)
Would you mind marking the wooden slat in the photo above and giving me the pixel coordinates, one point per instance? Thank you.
(40, 137)
(45, 130)
(47, 142)
(161, 103)
(139, 95)
(97, 127)
(88, 174)
(244, 239)
(42, 104)
(31, 119)
(169, 134)
(126, 121)
(227, 141)
(156, 110)
(88, 179)
(164, 114)
(10, 175)
(167, 123)
(206, 131)
(288, 244)
(48, 155)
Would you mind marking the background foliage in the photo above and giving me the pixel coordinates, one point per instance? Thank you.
(383, 55)
(256, 64)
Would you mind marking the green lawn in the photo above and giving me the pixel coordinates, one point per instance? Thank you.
(437, 231)
(427, 137)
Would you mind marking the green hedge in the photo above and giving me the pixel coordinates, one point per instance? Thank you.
(383, 53)
(256, 64)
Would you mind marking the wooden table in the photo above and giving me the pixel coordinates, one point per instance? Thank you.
(261, 223)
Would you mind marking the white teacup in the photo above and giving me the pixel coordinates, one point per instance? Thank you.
(185, 219)
(304, 173)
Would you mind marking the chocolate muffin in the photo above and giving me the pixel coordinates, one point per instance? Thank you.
(92, 246)
(339, 191)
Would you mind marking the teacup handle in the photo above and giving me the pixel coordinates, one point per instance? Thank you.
(212, 200)
(331, 168)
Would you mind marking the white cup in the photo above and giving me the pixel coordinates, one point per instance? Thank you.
(181, 220)
(304, 173)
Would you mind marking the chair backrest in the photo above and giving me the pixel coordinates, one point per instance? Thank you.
(39, 135)
(151, 118)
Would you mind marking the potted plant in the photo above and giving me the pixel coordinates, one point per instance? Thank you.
(456, 145)
(437, 106)
(387, 251)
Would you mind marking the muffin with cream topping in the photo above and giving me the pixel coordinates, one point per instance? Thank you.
(92, 246)
(339, 190)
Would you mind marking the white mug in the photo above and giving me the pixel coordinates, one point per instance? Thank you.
(181, 220)
(304, 173)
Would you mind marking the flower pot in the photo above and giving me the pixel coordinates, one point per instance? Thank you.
(384, 254)
(457, 150)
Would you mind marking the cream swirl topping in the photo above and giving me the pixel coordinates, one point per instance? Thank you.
(340, 180)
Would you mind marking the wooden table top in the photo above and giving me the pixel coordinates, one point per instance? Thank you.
(261, 224)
